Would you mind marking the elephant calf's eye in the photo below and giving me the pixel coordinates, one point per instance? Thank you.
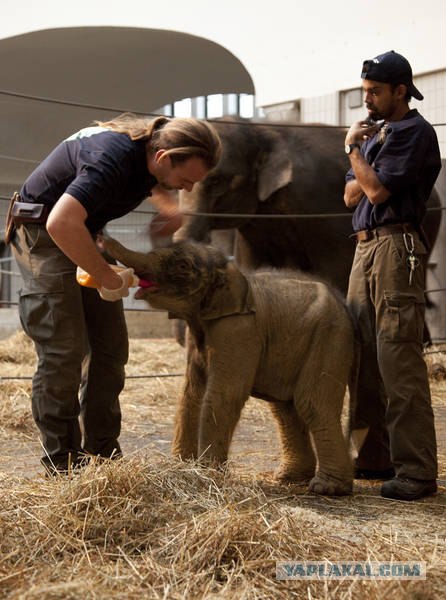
(183, 267)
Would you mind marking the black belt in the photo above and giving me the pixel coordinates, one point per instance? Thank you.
(370, 234)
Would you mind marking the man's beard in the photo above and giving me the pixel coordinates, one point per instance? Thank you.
(374, 114)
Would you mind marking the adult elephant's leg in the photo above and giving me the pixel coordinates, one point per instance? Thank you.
(179, 331)
(185, 438)
(322, 411)
(298, 461)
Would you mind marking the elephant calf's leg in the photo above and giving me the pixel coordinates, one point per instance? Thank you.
(219, 417)
(298, 462)
(187, 419)
(334, 475)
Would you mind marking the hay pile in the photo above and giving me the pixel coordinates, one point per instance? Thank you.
(162, 529)
(149, 526)
(436, 362)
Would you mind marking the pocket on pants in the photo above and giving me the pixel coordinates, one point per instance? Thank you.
(43, 284)
(49, 309)
(402, 319)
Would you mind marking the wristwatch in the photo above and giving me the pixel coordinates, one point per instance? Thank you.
(349, 147)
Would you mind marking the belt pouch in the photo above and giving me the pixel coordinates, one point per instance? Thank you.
(29, 212)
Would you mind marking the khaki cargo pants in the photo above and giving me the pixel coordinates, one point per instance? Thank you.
(82, 347)
(393, 392)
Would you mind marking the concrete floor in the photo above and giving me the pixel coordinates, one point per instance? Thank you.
(9, 322)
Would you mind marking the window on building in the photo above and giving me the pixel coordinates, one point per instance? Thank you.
(246, 106)
(183, 108)
(213, 106)
(354, 98)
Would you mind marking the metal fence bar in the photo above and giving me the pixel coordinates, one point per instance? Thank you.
(148, 376)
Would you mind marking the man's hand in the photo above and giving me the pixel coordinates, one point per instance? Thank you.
(127, 277)
(360, 131)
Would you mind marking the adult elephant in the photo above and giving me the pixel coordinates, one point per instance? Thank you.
(281, 169)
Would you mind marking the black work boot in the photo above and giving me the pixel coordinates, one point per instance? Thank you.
(408, 489)
(64, 464)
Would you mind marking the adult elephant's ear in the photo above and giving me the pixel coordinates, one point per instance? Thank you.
(275, 171)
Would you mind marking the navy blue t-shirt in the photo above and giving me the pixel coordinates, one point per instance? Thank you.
(104, 170)
(407, 164)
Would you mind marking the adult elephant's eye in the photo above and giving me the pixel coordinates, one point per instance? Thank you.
(213, 180)
(236, 182)
(218, 182)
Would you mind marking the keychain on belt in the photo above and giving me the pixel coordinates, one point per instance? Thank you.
(412, 260)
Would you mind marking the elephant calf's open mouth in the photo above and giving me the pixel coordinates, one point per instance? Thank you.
(144, 286)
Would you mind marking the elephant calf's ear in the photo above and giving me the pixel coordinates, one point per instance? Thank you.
(274, 173)
(232, 298)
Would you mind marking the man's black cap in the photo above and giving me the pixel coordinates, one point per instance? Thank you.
(391, 67)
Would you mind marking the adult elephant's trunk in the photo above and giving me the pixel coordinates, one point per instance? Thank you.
(194, 227)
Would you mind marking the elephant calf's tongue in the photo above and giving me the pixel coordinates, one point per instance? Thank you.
(143, 285)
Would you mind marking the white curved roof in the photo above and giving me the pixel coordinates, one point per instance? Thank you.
(123, 68)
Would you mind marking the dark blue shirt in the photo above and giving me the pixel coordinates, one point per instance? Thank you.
(104, 170)
(407, 164)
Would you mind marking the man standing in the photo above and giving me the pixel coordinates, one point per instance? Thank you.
(395, 161)
(98, 174)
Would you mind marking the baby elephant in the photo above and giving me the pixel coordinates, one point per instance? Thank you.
(277, 336)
